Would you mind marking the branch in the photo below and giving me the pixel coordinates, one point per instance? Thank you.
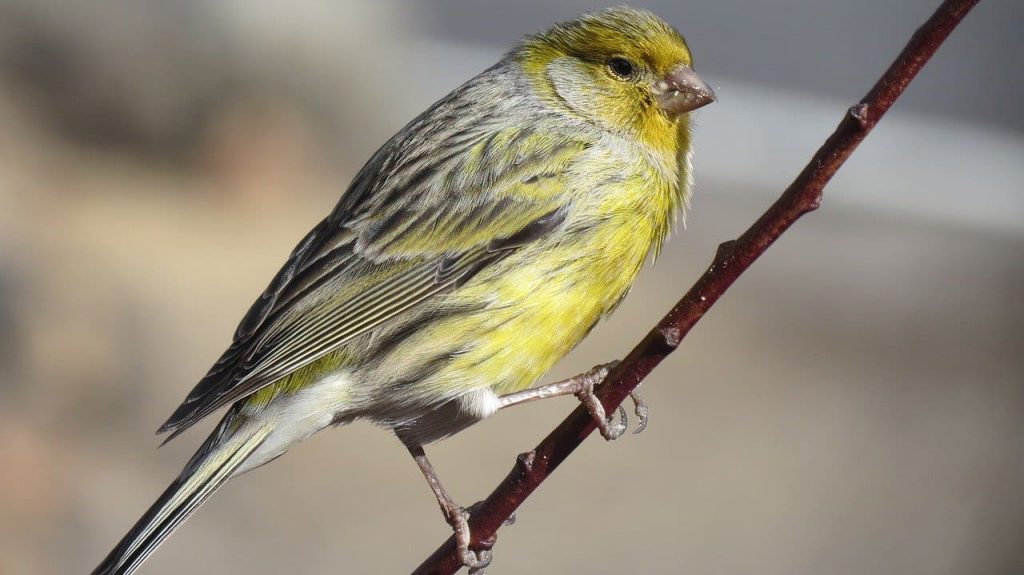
(732, 259)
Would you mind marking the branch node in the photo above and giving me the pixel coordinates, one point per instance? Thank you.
(723, 253)
(813, 203)
(859, 113)
(524, 461)
(671, 336)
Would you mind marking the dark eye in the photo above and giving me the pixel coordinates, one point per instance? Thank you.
(622, 68)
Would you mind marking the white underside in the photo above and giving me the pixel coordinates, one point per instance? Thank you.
(480, 404)
(296, 417)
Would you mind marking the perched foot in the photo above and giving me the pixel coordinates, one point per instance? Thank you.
(609, 429)
(476, 561)
(582, 386)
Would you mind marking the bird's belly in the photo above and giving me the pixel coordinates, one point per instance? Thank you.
(537, 313)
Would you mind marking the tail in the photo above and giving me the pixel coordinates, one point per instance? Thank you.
(212, 465)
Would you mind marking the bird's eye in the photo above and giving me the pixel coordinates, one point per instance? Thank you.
(622, 68)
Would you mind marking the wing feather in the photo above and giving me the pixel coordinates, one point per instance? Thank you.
(392, 243)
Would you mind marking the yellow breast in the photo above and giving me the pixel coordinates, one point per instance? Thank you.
(546, 298)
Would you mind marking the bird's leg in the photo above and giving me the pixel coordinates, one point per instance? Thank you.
(582, 386)
(456, 516)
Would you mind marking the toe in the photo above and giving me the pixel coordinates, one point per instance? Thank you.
(641, 410)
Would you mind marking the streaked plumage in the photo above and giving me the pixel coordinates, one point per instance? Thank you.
(472, 252)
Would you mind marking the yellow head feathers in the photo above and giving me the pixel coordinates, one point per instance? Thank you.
(622, 68)
(621, 31)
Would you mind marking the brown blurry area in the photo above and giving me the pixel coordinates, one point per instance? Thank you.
(853, 405)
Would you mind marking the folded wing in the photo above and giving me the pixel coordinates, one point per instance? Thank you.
(392, 243)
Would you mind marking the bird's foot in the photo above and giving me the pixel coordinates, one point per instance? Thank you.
(475, 560)
(606, 425)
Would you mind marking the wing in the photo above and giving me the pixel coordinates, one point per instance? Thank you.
(409, 228)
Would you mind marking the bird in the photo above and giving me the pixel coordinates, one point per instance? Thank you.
(474, 249)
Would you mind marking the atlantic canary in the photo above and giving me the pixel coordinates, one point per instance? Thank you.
(473, 250)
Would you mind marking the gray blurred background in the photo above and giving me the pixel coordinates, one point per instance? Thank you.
(853, 405)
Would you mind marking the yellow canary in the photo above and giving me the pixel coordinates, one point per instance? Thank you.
(472, 252)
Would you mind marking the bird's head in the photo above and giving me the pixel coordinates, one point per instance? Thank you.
(621, 68)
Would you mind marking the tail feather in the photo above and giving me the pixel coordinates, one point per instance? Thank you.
(207, 472)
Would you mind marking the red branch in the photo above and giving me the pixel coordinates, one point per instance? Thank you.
(732, 259)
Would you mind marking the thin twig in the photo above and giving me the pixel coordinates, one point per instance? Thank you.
(732, 259)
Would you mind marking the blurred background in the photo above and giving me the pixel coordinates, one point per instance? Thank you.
(855, 404)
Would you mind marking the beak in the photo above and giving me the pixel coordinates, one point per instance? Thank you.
(681, 91)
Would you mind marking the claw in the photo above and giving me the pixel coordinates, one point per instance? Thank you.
(641, 410)
(482, 558)
(615, 430)
(606, 425)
